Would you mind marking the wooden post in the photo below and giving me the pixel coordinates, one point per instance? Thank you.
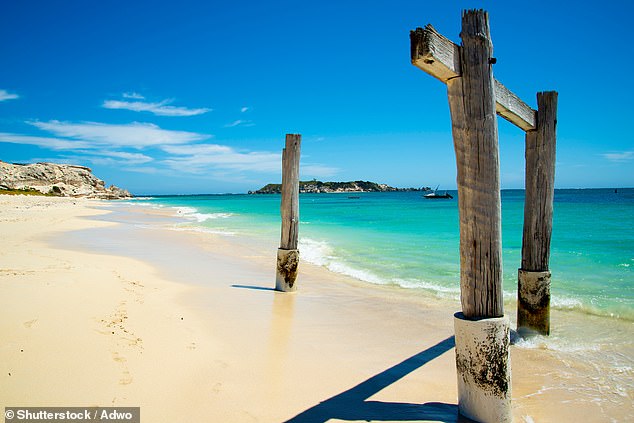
(482, 339)
(475, 134)
(441, 58)
(288, 254)
(533, 305)
(482, 331)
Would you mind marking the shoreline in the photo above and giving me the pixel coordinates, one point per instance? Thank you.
(241, 352)
(336, 242)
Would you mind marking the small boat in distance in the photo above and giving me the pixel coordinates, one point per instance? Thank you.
(434, 195)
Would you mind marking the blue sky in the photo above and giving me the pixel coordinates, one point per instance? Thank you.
(196, 96)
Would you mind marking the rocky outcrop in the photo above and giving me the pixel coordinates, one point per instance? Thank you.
(58, 179)
(333, 187)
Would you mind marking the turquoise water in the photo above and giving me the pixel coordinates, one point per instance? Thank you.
(404, 240)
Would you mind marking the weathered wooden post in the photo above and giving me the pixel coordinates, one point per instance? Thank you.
(288, 254)
(482, 331)
(533, 293)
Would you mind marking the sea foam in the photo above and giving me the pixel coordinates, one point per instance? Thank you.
(192, 213)
(201, 229)
(321, 253)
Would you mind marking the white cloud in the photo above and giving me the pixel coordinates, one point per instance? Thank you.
(4, 95)
(105, 161)
(244, 109)
(130, 158)
(105, 158)
(160, 109)
(150, 170)
(197, 149)
(133, 95)
(182, 152)
(202, 158)
(134, 135)
(239, 122)
(51, 143)
(619, 157)
(79, 148)
(317, 171)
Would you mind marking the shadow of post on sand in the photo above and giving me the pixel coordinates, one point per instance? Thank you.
(352, 404)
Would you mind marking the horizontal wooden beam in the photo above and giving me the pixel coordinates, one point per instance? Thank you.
(513, 109)
(440, 57)
(434, 53)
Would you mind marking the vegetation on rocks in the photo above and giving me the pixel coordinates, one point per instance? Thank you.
(316, 186)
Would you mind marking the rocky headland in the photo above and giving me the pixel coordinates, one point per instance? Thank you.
(57, 179)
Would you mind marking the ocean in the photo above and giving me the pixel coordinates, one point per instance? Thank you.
(406, 241)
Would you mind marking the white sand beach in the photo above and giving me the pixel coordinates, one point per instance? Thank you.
(186, 326)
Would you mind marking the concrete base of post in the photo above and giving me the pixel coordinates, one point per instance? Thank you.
(287, 264)
(533, 303)
(483, 363)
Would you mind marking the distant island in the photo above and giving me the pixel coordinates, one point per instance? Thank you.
(316, 186)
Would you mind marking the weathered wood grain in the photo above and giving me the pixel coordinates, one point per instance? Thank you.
(475, 134)
(440, 57)
(540, 185)
(290, 192)
(434, 53)
(512, 108)
(533, 293)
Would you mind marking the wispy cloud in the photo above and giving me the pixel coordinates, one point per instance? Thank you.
(239, 122)
(161, 108)
(203, 157)
(130, 158)
(45, 142)
(135, 135)
(105, 161)
(133, 95)
(116, 159)
(244, 109)
(149, 170)
(164, 152)
(4, 95)
(317, 171)
(197, 149)
(82, 151)
(619, 157)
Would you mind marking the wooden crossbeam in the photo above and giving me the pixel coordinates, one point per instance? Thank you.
(440, 57)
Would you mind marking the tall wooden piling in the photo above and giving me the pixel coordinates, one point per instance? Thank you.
(482, 331)
(288, 254)
(533, 305)
(475, 135)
